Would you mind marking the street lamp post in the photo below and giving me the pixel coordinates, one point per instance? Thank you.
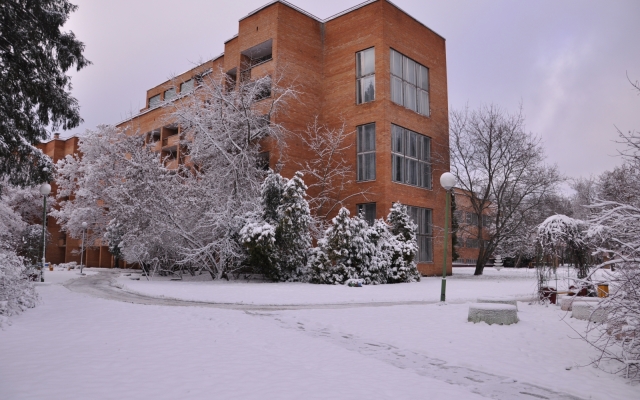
(45, 189)
(448, 181)
(84, 229)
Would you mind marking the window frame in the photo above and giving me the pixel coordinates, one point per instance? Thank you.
(401, 158)
(364, 155)
(361, 94)
(411, 77)
(424, 232)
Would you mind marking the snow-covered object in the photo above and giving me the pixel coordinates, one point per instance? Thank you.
(558, 230)
(501, 314)
(566, 302)
(499, 300)
(348, 251)
(497, 264)
(588, 311)
(17, 293)
(404, 246)
(278, 240)
(351, 249)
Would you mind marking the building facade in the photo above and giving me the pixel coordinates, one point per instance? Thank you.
(60, 247)
(374, 68)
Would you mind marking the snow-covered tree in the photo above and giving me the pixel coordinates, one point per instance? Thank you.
(16, 291)
(402, 245)
(278, 241)
(347, 249)
(614, 232)
(351, 249)
(560, 232)
(189, 217)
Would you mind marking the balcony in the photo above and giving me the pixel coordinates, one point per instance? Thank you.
(170, 142)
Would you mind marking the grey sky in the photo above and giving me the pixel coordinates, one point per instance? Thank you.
(565, 61)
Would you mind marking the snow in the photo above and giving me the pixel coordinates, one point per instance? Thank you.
(77, 346)
(461, 287)
(58, 276)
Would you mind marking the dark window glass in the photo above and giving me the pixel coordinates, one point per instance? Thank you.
(423, 219)
(366, 152)
(365, 76)
(409, 83)
(367, 212)
(410, 158)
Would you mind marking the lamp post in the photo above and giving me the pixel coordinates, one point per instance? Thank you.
(45, 189)
(447, 181)
(84, 229)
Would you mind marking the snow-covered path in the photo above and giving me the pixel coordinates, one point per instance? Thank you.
(81, 344)
(103, 285)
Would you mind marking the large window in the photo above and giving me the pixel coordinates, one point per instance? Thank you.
(411, 154)
(409, 83)
(422, 218)
(366, 149)
(365, 76)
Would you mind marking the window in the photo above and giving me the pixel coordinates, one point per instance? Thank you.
(411, 157)
(367, 212)
(365, 76)
(472, 219)
(154, 101)
(186, 86)
(169, 94)
(366, 149)
(409, 83)
(262, 161)
(422, 218)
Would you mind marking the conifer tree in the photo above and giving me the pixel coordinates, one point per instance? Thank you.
(404, 246)
(34, 90)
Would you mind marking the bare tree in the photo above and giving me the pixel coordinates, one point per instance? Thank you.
(327, 172)
(502, 167)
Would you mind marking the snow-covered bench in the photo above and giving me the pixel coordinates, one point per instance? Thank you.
(588, 311)
(567, 301)
(499, 300)
(493, 313)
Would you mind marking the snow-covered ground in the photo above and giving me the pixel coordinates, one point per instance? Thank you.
(74, 346)
(461, 287)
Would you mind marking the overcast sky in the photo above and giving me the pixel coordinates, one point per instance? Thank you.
(565, 61)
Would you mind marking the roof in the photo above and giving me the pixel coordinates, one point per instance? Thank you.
(340, 14)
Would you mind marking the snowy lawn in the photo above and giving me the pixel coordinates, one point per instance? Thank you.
(461, 287)
(60, 275)
(76, 346)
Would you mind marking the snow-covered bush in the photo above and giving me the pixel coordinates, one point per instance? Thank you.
(559, 232)
(17, 293)
(278, 240)
(351, 249)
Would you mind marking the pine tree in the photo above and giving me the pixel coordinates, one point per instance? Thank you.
(278, 241)
(34, 90)
(293, 238)
(404, 246)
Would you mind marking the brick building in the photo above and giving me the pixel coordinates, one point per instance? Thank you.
(62, 248)
(468, 246)
(374, 67)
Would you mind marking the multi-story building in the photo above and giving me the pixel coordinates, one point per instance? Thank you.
(60, 247)
(374, 67)
(468, 221)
